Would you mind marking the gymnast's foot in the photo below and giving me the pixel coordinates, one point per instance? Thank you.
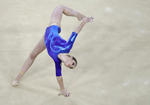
(15, 83)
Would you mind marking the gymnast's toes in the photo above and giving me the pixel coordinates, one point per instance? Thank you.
(15, 83)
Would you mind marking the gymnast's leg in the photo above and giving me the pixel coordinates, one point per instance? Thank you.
(29, 61)
(56, 16)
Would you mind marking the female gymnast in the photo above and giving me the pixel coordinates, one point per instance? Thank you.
(57, 48)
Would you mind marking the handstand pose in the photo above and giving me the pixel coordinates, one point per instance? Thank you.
(56, 46)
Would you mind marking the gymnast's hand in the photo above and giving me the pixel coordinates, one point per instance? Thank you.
(87, 19)
(64, 92)
(84, 21)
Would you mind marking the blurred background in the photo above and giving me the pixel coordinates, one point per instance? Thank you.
(113, 53)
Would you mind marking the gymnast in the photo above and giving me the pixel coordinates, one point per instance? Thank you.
(57, 48)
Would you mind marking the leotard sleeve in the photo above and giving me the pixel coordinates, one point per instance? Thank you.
(71, 41)
(72, 38)
(58, 68)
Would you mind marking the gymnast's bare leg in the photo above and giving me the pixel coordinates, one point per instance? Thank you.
(40, 46)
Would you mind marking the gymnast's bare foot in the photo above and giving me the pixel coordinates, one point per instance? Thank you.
(15, 83)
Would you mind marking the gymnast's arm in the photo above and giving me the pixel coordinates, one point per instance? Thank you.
(77, 30)
(60, 82)
(84, 21)
(63, 91)
(59, 77)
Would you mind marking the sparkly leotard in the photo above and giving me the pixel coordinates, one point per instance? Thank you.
(55, 45)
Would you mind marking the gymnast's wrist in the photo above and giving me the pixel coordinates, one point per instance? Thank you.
(62, 89)
(83, 22)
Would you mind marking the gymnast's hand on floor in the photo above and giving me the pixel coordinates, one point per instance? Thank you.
(64, 92)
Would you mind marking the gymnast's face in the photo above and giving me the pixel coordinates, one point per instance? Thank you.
(70, 62)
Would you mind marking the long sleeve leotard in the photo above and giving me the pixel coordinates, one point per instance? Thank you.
(55, 44)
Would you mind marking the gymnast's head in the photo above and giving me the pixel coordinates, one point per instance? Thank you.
(68, 60)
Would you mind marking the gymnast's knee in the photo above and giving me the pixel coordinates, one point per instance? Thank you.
(60, 7)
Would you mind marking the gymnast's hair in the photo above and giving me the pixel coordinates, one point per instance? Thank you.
(73, 59)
